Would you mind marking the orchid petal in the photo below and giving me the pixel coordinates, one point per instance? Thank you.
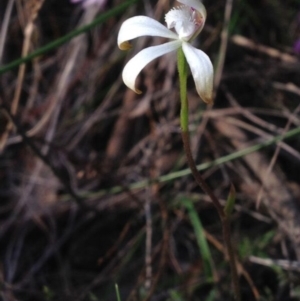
(202, 71)
(139, 61)
(142, 26)
(195, 4)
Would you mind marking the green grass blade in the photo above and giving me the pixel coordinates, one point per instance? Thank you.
(117, 292)
(184, 172)
(52, 45)
(175, 296)
(200, 236)
(230, 202)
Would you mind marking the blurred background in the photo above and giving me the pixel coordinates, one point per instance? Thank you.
(94, 185)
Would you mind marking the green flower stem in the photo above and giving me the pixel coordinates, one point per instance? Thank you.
(182, 70)
(101, 19)
(184, 122)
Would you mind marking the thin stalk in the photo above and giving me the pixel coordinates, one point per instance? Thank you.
(225, 221)
(184, 120)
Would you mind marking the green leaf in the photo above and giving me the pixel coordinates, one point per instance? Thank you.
(230, 201)
(200, 236)
(117, 292)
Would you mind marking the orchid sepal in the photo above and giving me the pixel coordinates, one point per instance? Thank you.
(142, 26)
(202, 71)
(140, 60)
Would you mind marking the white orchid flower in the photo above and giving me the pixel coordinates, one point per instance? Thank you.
(187, 21)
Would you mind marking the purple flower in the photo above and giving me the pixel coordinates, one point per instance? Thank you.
(296, 47)
(87, 3)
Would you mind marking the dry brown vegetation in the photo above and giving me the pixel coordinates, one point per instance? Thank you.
(74, 221)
